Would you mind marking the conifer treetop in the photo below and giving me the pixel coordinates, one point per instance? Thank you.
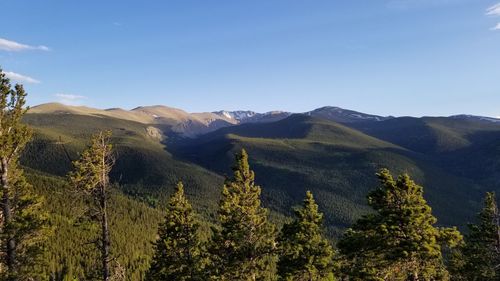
(399, 239)
(13, 133)
(310, 210)
(241, 168)
(178, 199)
(178, 250)
(244, 239)
(95, 163)
(304, 252)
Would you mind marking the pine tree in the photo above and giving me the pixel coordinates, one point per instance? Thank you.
(399, 240)
(242, 246)
(91, 176)
(479, 258)
(304, 253)
(23, 225)
(178, 248)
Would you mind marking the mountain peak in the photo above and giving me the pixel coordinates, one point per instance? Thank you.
(476, 118)
(328, 107)
(248, 116)
(238, 115)
(59, 108)
(341, 115)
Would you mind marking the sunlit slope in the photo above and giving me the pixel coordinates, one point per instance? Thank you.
(142, 166)
(168, 118)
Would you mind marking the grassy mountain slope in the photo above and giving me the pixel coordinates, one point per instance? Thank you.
(170, 119)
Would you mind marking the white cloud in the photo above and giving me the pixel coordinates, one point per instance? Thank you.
(70, 99)
(20, 78)
(493, 10)
(497, 27)
(7, 45)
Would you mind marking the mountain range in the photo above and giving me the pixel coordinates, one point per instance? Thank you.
(196, 124)
(331, 151)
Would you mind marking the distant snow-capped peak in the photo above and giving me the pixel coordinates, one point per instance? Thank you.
(238, 115)
(344, 115)
(475, 117)
(245, 116)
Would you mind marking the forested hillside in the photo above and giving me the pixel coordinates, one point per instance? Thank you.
(143, 168)
(338, 161)
(455, 159)
(291, 155)
(70, 251)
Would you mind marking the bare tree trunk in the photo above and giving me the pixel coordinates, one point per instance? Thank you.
(84, 178)
(104, 223)
(105, 236)
(414, 277)
(7, 217)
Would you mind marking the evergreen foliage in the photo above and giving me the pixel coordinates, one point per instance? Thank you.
(70, 255)
(399, 241)
(243, 244)
(22, 222)
(479, 257)
(178, 248)
(91, 176)
(304, 253)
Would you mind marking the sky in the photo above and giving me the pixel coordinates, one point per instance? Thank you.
(386, 57)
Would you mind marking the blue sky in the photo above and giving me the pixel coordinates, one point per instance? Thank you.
(388, 57)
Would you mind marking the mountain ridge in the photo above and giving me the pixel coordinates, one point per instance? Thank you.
(332, 151)
(191, 125)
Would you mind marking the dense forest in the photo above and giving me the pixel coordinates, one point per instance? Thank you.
(84, 226)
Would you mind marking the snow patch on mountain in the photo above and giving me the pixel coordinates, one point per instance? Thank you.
(247, 116)
(239, 115)
(341, 115)
(475, 117)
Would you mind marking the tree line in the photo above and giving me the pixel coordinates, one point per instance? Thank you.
(398, 240)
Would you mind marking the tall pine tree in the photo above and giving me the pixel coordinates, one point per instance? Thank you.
(178, 248)
(304, 253)
(22, 223)
(242, 245)
(399, 240)
(91, 175)
(479, 258)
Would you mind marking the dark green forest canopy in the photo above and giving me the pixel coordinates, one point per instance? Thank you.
(456, 160)
(337, 162)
